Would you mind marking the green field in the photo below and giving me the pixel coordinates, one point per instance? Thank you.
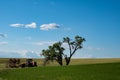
(80, 69)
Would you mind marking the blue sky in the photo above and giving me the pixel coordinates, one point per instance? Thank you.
(28, 26)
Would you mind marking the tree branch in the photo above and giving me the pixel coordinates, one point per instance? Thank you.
(73, 51)
(70, 48)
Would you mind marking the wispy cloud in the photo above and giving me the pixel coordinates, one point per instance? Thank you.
(26, 54)
(17, 25)
(93, 48)
(3, 35)
(49, 26)
(31, 25)
(85, 56)
(19, 54)
(67, 29)
(3, 43)
(42, 43)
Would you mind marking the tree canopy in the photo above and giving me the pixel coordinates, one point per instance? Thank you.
(73, 46)
(56, 51)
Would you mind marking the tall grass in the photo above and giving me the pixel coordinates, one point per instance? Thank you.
(3, 61)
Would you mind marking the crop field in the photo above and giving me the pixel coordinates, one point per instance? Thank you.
(79, 69)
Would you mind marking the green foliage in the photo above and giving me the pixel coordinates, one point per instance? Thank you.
(53, 52)
(73, 46)
(56, 50)
(107, 71)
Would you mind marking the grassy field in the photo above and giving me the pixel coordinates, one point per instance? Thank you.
(106, 71)
(3, 61)
(80, 69)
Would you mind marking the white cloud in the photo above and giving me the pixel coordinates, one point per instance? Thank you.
(82, 55)
(17, 25)
(19, 54)
(44, 43)
(3, 43)
(93, 48)
(85, 56)
(32, 54)
(3, 35)
(26, 54)
(49, 26)
(32, 25)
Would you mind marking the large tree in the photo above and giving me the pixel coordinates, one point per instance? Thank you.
(53, 52)
(74, 45)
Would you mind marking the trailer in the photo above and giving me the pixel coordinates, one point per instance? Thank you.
(15, 63)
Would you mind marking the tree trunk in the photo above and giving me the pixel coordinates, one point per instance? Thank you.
(67, 59)
(59, 60)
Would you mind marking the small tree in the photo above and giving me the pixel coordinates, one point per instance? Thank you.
(73, 46)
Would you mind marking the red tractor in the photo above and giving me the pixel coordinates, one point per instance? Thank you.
(29, 63)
